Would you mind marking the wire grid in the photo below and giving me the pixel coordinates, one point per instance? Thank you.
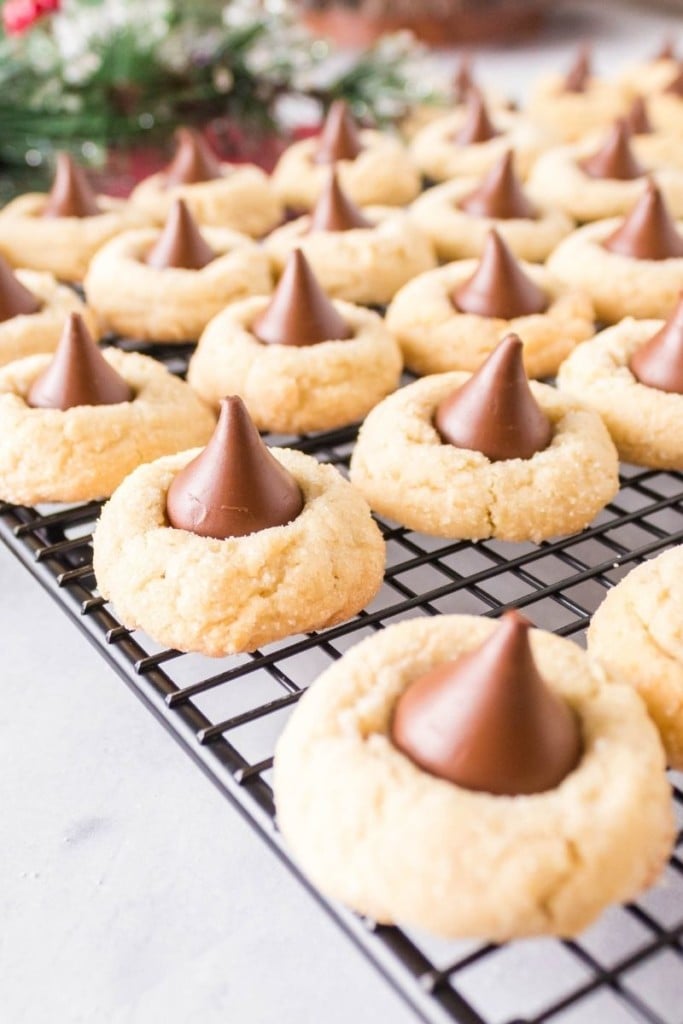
(228, 713)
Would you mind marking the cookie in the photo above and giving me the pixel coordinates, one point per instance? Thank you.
(646, 423)
(173, 302)
(243, 591)
(61, 231)
(635, 636)
(26, 334)
(467, 142)
(374, 168)
(602, 177)
(371, 828)
(409, 472)
(359, 257)
(218, 194)
(458, 215)
(82, 452)
(436, 336)
(630, 267)
(323, 365)
(577, 103)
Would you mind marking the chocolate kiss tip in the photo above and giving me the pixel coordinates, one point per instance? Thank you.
(658, 363)
(15, 299)
(615, 158)
(637, 118)
(78, 374)
(180, 243)
(648, 232)
(71, 194)
(334, 211)
(667, 50)
(235, 486)
(499, 286)
(477, 126)
(193, 161)
(494, 412)
(300, 313)
(339, 139)
(578, 76)
(499, 195)
(488, 721)
(675, 87)
(463, 79)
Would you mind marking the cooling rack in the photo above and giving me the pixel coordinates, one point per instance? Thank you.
(227, 714)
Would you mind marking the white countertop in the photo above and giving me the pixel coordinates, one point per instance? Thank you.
(130, 890)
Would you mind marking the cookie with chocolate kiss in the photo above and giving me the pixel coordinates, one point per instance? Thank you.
(477, 126)
(15, 299)
(71, 194)
(235, 487)
(193, 161)
(488, 721)
(494, 412)
(578, 76)
(499, 287)
(499, 195)
(78, 374)
(299, 313)
(180, 243)
(339, 139)
(659, 362)
(615, 158)
(648, 232)
(334, 211)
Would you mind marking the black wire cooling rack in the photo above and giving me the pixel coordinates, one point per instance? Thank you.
(228, 713)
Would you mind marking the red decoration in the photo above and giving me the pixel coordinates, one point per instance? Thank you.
(20, 15)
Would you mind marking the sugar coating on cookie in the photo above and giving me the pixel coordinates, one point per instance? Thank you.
(172, 304)
(371, 828)
(85, 452)
(646, 424)
(635, 636)
(374, 167)
(293, 387)
(406, 473)
(362, 265)
(437, 337)
(243, 592)
(37, 332)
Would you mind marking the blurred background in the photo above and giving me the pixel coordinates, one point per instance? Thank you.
(112, 79)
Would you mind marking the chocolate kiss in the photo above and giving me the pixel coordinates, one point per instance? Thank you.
(235, 486)
(477, 126)
(659, 362)
(648, 231)
(637, 119)
(615, 157)
(180, 244)
(463, 80)
(499, 287)
(299, 312)
(499, 194)
(334, 211)
(71, 194)
(15, 300)
(487, 721)
(339, 138)
(578, 75)
(675, 88)
(193, 161)
(494, 412)
(78, 374)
